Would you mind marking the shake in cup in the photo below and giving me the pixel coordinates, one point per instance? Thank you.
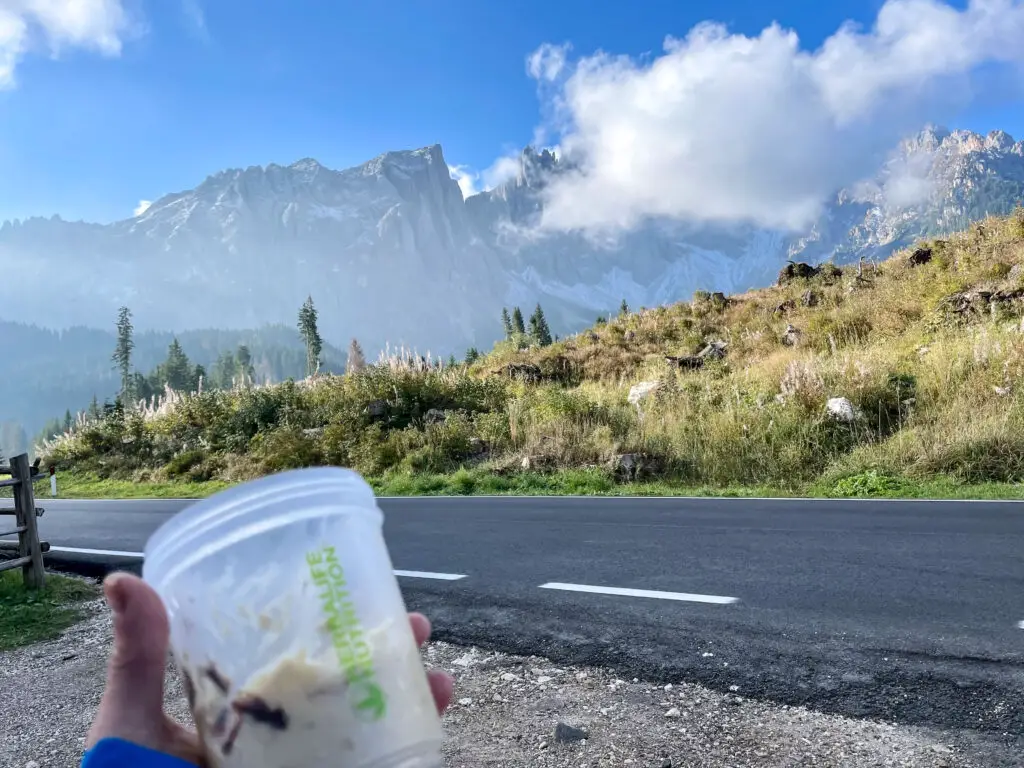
(289, 627)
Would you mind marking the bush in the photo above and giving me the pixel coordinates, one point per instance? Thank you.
(867, 484)
(184, 462)
(285, 448)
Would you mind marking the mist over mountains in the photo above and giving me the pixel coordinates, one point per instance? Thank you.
(390, 250)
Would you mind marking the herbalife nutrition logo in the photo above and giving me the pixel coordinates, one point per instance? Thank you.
(354, 655)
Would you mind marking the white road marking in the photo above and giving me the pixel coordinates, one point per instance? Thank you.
(107, 552)
(624, 592)
(140, 555)
(430, 575)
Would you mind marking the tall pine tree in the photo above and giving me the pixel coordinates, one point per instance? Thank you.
(506, 323)
(310, 335)
(623, 309)
(122, 356)
(177, 370)
(245, 369)
(356, 358)
(539, 330)
(518, 326)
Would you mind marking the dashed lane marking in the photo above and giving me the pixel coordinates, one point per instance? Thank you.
(431, 575)
(650, 593)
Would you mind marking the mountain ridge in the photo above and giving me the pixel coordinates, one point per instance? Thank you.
(392, 251)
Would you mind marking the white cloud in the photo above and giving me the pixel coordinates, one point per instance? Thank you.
(472, 182)
(142, 207)
(503, 169)
(548, 61)
(97, 25)
(466, 177)
(724, 127)
(196, 18)
(907, 180)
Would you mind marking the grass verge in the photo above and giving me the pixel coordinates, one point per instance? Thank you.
(72, 485)
(474, 482)
(30, 617)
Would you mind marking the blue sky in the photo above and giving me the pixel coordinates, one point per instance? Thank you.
(200, 85)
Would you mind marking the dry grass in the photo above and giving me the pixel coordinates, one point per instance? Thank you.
(938, 385)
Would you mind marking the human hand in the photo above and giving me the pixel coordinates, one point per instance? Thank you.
(132, 707)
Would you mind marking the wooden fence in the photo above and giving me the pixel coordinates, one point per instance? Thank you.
(30, 549)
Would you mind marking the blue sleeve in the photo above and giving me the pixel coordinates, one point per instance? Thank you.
(118, 753)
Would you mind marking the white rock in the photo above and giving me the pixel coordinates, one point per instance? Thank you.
(841, 409)
(641, 391)
(465, 702)
(508, 677)
(544, 679)
(674, 712)
(668, 687)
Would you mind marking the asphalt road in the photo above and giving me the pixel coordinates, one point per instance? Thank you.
(905, 611)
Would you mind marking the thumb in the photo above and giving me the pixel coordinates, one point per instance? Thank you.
(132, 704)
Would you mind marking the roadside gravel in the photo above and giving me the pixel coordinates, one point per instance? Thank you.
(508, 711)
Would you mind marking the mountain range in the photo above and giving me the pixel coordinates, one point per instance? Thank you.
(392, 252)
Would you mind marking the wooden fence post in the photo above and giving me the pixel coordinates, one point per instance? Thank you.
(25, 512)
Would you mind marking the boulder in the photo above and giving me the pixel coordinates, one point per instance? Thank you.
(522, 372)
(791, 337)
(641, 391)
(841, 409)
(375, 409)
(626, 466)
(477, 446)
(566, 734)
(809, 299)
(785, 307)
(434, 416)
(685, 363)
(796, 270)
(919, 257)
(713, 350)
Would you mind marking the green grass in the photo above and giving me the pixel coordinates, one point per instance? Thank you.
(584, 482)
(29, 617)
(71, 485)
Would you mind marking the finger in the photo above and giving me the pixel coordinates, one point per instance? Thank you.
(420, 627)
(132, 704)
(441, 686)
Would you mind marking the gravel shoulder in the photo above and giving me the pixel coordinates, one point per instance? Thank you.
(511, 711)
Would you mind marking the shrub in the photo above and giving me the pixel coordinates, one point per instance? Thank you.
(867, 484)
(285, 448)
(184, 462)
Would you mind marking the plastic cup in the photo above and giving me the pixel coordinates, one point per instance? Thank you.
(289, 627)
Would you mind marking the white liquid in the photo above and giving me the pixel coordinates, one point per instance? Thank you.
(307, 715)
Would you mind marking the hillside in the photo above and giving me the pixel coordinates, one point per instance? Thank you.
(382, 245)
(854, 379)
(47, 372)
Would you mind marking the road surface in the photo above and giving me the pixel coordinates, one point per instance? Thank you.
(906, 611)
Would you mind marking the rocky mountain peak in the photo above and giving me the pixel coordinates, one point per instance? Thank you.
(391, 251)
